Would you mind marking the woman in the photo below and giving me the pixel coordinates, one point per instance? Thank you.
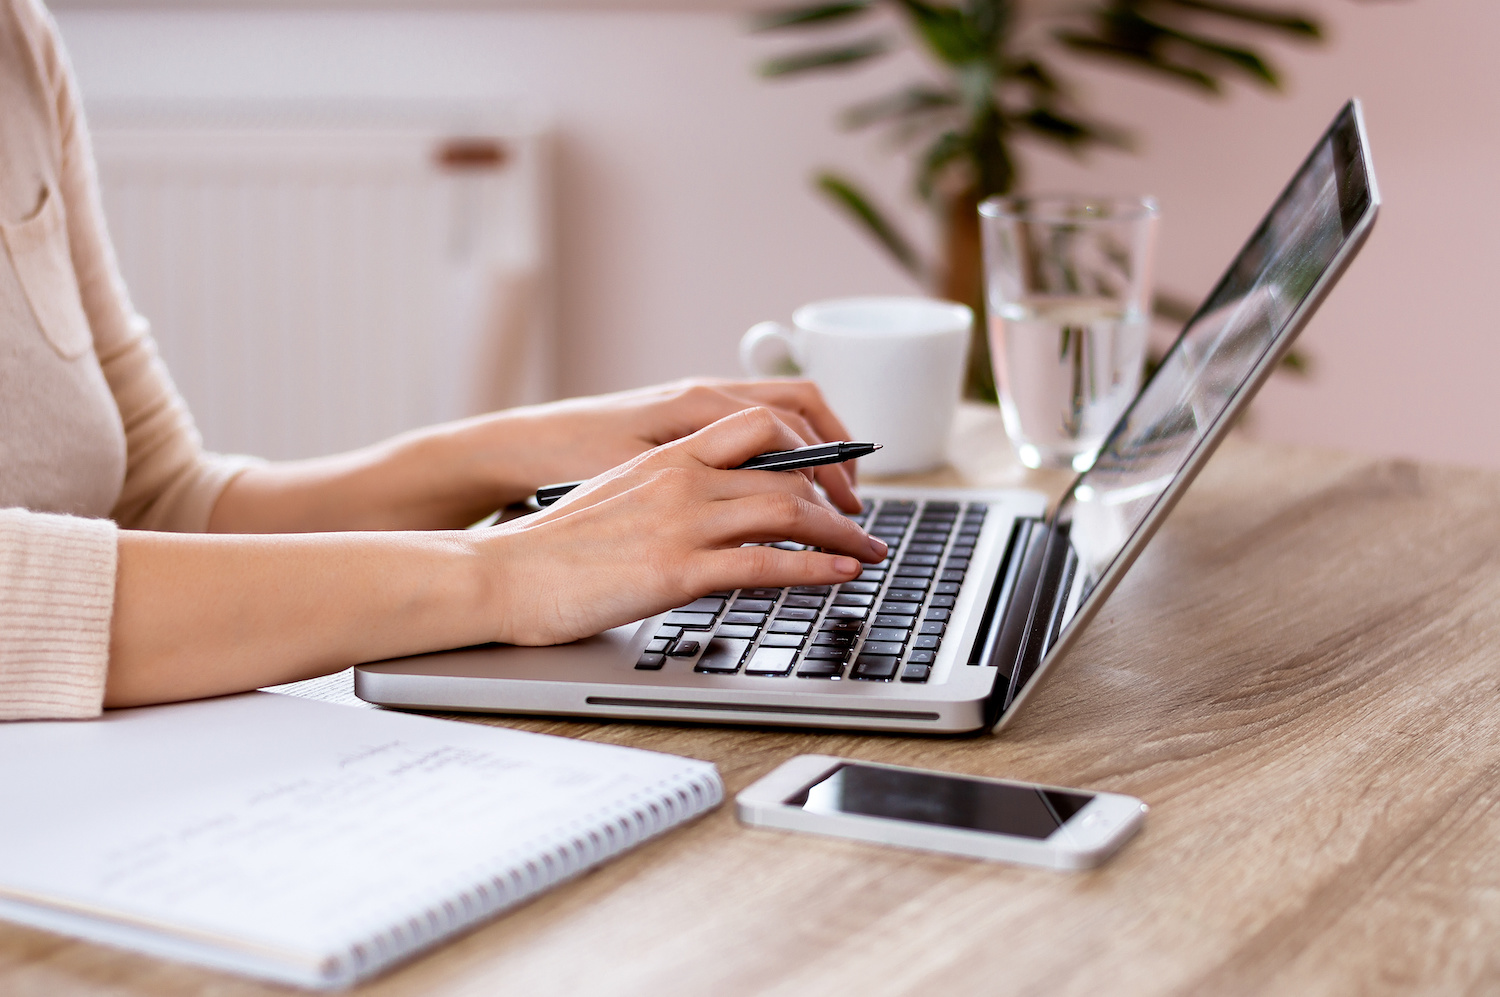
(230, 574)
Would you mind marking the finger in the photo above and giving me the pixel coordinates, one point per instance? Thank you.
(781, 515)
(756, 567)
(836, 479)
(801, 395)
(736, 438)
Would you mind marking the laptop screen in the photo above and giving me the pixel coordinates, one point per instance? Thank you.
(1253, 313)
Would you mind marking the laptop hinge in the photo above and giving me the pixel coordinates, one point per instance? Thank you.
(1005, 630)
(1044, 622)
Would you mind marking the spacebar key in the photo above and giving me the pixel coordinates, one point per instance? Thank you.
(723, 654)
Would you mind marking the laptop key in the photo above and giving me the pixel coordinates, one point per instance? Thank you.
(782, 640)
(811, 589)
(907, 560)
(821, 670)
(803, 602)
(746, 619)
(933, 547)
(952, 576)
(771, 661)
(921, 657)
(933, 627)
(658, 645)
(938, 614)
(684, 649)
(690, 621)
(852, 599)
(752, 605)
(790, 626)
(704, 605)
(826, 654)
(876, 575)
(797, 614)
(927, 642)
(874, 666)
(842, 626)
(957, 564)
(650, 662)
(916, 571)
(669, 633)
(835, 639)
(723, 655)
(882, 648)
(772, 594)
(946, 588)
(737, 632)
(857, 588)
(897, 634)
(943, 601)
(847, 612)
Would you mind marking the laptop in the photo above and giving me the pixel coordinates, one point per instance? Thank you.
(983, 594)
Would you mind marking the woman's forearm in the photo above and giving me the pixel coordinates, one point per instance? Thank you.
(204, 615)
(432, 479)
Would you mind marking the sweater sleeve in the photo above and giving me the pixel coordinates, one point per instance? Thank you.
(171, 483)
(57, 589)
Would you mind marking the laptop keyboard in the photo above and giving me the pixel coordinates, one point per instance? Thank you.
(888, 623)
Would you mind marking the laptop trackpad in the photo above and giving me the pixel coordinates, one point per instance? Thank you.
(580, 660)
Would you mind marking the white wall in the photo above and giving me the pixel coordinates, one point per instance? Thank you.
(685, 212)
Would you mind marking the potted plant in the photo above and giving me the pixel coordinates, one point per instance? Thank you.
(997, 85)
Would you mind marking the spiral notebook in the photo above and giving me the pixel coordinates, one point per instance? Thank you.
(305, 842)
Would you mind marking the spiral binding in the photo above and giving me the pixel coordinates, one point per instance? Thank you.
(532, 868)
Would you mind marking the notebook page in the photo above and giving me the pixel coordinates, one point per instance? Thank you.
(291, 827)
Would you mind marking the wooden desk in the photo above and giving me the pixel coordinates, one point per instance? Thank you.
(1300, 676)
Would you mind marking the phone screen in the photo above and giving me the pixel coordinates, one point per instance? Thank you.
(945, 800)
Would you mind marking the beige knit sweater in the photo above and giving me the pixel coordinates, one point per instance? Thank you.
(92, 432)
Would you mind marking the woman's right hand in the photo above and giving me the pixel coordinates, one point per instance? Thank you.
(663, 529)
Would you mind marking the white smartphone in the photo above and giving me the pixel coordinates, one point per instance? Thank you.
(937, 811)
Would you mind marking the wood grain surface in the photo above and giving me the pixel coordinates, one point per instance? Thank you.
(1299, 675)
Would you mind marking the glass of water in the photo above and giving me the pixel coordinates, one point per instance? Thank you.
(1068, 292)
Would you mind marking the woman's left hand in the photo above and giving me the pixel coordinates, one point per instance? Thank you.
(525, 448)
(454, 474)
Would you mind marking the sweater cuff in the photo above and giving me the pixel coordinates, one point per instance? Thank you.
(57, 592)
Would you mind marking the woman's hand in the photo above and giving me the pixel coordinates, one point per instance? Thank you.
(451, 475)
(200, 615)
(581, 437)
(664, 528)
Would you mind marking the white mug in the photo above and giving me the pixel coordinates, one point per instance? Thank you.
(891, 368)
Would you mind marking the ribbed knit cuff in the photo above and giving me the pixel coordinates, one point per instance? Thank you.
(57, 591)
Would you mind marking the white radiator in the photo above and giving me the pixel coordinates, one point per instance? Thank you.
(321, 279)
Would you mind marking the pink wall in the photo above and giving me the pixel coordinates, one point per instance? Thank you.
(685, 213)
(1406, 350)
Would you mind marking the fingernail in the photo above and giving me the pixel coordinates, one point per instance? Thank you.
(849, 565)
(878, 545)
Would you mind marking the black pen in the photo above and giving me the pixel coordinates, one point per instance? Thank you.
(777, 460)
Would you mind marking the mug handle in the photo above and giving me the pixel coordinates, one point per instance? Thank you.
(768, 349)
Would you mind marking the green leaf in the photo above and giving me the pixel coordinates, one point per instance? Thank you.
(796, 17)
(1036, 76)
(947, 149)
(913, 101)
(1296, 362)
(1289, 21)
(1075, 134)
(825, 58)
(863, 210)
(1240, 58)
(1143, 60)
(945, 31)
